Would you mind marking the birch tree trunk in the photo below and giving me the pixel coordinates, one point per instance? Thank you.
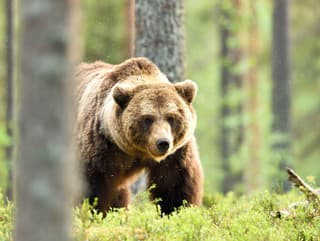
(160, 35)
(45, 157)
(281, 93)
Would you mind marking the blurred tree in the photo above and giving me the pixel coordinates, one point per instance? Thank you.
(253, 129)
(49, 46)
(4, 140)
(130, 28)
(203, 65)
(160, 35)
(232, 135)
(9, 84)
(305, 34)
(281, 93)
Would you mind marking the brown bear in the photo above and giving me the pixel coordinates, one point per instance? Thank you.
(130, 118)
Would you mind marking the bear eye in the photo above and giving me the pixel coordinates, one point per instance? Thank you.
(147, 122)
(171, 121)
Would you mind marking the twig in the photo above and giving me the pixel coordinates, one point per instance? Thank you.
(312, 194)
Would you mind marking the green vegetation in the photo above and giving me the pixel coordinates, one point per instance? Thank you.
(104, 30)
(3, 136)
(227, 217)
(6, 218)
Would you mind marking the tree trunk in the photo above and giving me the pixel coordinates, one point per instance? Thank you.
(281, 93)
(130, 28)
(225, 112)
(253, 135)
(45, 157)
(9, 90)
(160, 35)
(231, 137)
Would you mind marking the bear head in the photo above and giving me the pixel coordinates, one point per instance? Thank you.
(150, 120)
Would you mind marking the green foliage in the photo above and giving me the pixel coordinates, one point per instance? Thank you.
(105, 31)
(228, 217)
(4, 140)
(306, 85)
(204, 71)
(6, 218)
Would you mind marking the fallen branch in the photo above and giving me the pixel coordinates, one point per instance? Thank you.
(312, 196)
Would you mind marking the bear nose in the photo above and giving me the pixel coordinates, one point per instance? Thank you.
(163, 145)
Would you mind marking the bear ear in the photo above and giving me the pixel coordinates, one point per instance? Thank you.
(187, 90)
(121, 96)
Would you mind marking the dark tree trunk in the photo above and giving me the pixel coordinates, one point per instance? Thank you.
(9, 87)
(281, 92)
(160, 35)
(45, 157)
(227, 182)
(231, 137)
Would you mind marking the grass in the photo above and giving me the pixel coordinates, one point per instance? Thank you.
(220, 218)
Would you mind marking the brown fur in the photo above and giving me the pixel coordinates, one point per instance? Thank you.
(123, 112)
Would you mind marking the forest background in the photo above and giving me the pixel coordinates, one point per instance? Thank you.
(254, 164)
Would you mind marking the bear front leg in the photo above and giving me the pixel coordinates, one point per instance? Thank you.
(121, 197)
(96, 189)
(102, 187)
(178, 178)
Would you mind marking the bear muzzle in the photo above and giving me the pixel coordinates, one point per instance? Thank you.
(160, 149)
(160, 140)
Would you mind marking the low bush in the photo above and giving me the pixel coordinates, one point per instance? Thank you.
(221, 217)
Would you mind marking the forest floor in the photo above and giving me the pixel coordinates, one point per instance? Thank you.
(230, 217)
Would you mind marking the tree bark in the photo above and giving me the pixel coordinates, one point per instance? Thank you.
(281, 92)
(253, 169)
(231, 137)
(44, 182)
(9, 87)
(160, 35)
(225, 111)
(130, 28)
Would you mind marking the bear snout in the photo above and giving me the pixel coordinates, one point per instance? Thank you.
(163, 145)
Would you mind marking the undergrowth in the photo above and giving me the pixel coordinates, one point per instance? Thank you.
(221, 217)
